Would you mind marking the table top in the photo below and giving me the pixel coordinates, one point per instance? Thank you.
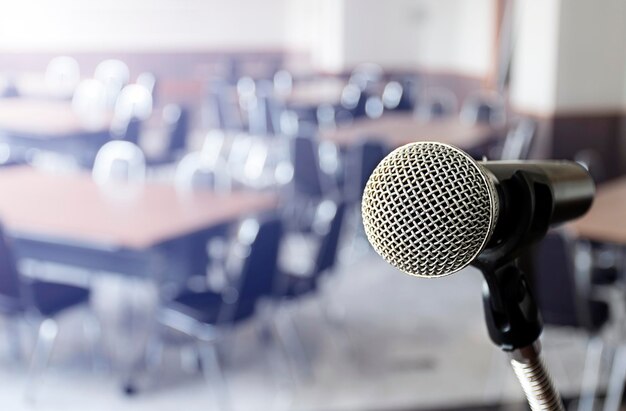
(316, 92)
(606, 220)
(397, 129)
(72, 207)
(43, 118)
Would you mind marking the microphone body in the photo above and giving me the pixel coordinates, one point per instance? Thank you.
(430, 209)
(553, 191)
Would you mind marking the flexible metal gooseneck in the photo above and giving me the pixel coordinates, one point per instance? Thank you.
(535, 379)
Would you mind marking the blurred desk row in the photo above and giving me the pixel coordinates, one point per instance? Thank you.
(130, 229)
(606, 220)
(402, 128)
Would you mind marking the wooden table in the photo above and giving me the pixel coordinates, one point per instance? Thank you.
(149, 231)
(606, 220)
(397, 129)
(49, 125)
(316, 92)
(70, 219)
(40, 118)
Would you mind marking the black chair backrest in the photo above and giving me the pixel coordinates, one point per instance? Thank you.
(10, 285)
(177, 119)
(224, 110)
(259, 269)
(519, 140)
(483, 113)
(307, 177)
(360, 163)
(562, 290)
(327, 254)
(132, 131)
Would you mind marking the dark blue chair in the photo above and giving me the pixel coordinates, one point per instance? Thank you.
(222, 107)
(309, 184)
(486, 107)
(132, 130)
(199, 314)
(44, 300)
(291, 285)
(255, 280)
(176, 123)
(360, 162)
(176, 119)
(562, 285)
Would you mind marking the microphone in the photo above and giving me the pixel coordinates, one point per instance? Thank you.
(430, 210)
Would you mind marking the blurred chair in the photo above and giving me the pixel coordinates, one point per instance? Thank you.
(114, 74)
(485, 107)
(62, 76)
(399, 94)
(593, 163)
(283, 83)
(176, 124)
(43, 301)
(309, 184)
(518, 142)
(353, 100)
(132, 107)
(300, 276)
(436, 103)
(149, 81)
(221, 108)
(201, 314)
(394, 96)
(374, 107)
(296, 280)
(195, 171)
(134, 101)
(119, 161)
(89, 102)
(360, 162)
(562, 285)
(366, 75)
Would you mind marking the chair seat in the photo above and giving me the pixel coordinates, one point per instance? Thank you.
(10, 306)
(206, 306)
(598, 311)
(291, 286)
(52, 298)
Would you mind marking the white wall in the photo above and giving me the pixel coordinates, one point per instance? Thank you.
(455, 35)
(82, 25)
(570, 56)
(435, 35)
(382, 32)
(533, 73)
(592, 56)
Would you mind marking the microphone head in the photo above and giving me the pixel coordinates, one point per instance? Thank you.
(429, 209)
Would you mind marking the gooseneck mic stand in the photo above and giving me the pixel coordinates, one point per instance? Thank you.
(512, 316)
(514, 324)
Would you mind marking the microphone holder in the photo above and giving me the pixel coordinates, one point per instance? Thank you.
(514, 324)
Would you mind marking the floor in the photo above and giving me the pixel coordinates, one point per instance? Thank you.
(387, 342)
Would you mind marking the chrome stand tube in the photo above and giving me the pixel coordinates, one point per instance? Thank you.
(535, 379)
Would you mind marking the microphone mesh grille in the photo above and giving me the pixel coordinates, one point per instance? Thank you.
(429, 209)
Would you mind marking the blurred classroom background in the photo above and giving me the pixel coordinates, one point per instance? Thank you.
(180, 187)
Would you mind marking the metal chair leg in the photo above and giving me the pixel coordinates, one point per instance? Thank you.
(214, 375)
(153, 355)
(280, 368)
(46, 337)
(591, 374)
(617, 379)
(494, 387)
(14, 337)
(92, 329)
(294, 346)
